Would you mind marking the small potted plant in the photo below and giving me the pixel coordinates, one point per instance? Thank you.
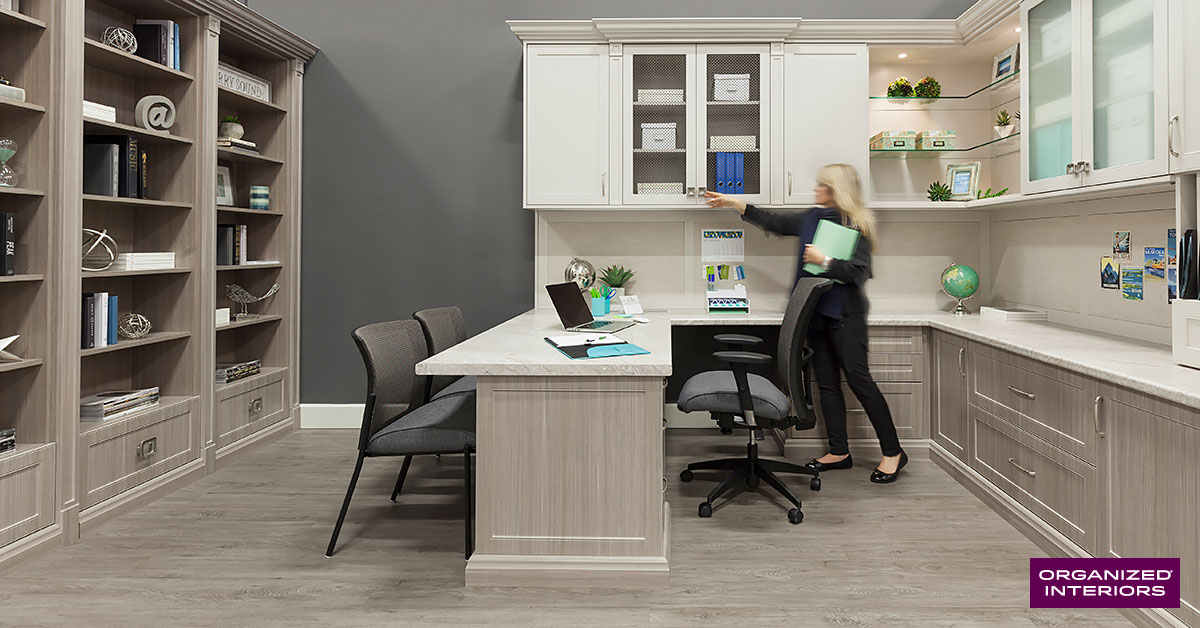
(900, 88)
(939, 191)
(1004, 124)
(616, 277)
(927, 87)
(231, 127)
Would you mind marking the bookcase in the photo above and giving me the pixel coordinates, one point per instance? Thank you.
(66, 476)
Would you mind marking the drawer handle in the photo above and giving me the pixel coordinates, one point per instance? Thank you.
(961, 355)
(1024, 394)
(147, 448)
(1031, 474)
(1096, 415)
(255, 406)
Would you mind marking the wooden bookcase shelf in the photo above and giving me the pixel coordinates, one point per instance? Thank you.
(13, 18)
(22, 191)
(9, 103)
(261, 320)
(236, 100)
(136, 273)
(17, 365)
(243, 156)
(152, 338)
(132, 202)
(222, 269)
(165, 404)
(251, 212)
(104, 57)
(265, 374)
(19, 278)
(92, 125)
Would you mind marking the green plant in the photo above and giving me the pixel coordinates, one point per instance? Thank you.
(616, 276)
(231, 119)
(1003, 118)
(989, 194)
(939, 191)
(927, 87)
(900, 88)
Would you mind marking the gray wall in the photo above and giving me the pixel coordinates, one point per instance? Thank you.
(412, 157)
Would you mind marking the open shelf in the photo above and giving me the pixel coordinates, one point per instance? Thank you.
(924, 101)
(246, 210)
(243, 156)
(9, 103)
(104, 57)
(21, 191)
(164, 404)
(16, 365)
(733, 103)
(1148, 185)
(996, 148)
(135, 273)
(253, 380)
(133, 202)
(92, 125)
(242, 102)
(21, 278)
(248, 266)
(153, 337)
(743, 150)
(20, 19)
(262, 319)
(659, 150)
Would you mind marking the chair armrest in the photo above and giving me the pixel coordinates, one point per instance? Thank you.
(737, 340)
(743, 357)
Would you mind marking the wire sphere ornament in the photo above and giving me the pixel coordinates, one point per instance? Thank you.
(120, 38)
(238, 294)
(99, 250)
(133, 326)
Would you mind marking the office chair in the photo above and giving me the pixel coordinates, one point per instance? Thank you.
(396, 421)
(444, 328)
(737, 393)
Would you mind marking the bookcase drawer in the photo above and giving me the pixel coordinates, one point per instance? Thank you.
(247, 406)
(122, 456)
(26, 491)
(897, 354)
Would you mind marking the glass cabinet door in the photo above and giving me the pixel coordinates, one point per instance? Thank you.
(732, 127)
(660, 108)
(1049, 101)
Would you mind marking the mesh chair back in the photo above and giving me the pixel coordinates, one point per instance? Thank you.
(444, 328)
(390, 351)
(792, 331)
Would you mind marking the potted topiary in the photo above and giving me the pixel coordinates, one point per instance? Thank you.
(939, 191)
(927, 87)
(616, 277)
(1004, 124)
(900, 88)
(231, 127)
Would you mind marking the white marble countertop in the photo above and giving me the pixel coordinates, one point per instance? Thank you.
(516, 347)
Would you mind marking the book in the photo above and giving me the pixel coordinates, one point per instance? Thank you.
(100, 328)
(13, 92)
(833, 240)
(112, 319)
(229, 372)
(225, 244)
(143, 178)
(9, 227)
(175, 41)
(1012, 314)
(151, 36)
(739, 176)
(164, 42)
(720, 175)
(144, 261)
(593, 346)
(222, 316)
(127, 167)
(99, 112)
(108, 404)
(88, 331)
(242, 243)
(101, 169)
(229, 142)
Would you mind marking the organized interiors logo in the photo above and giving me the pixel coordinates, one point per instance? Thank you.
(1104, 583)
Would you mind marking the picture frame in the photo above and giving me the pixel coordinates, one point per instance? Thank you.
(225, 187)
(963, 180)
(1006, 63)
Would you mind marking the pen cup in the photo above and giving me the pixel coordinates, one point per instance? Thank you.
(599, 306)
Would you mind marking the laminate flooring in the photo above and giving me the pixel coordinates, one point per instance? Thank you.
(245, 547)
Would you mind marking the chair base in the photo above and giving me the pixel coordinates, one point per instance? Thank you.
(751, 470)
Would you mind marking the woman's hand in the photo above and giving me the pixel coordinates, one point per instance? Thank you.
(813, 255)
(715, 199)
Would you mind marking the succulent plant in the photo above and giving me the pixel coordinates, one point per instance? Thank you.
(989, 194)
(939, 191)
(1003, 118)
(231, 119)
(900, 88)
(616, 276)
(927, 87)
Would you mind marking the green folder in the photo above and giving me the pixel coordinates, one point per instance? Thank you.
(835, 241)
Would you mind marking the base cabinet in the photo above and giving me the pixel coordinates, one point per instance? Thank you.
(248, 406)
(950, 388)
(26, 491)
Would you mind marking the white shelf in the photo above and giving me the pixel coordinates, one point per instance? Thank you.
(1149, 185)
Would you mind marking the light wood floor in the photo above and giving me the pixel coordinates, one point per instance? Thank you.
(244, 547)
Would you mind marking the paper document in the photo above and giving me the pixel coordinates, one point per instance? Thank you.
(833, 240)
(576, 340)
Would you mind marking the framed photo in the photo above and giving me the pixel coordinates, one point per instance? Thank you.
(224, 187)
(963, 180)
(1006, 63)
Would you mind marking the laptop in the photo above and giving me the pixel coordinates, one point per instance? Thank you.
(574, 312)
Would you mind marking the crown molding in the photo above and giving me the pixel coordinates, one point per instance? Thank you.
(983, 16)
(238, 19)
(707, 29)
(928, 32)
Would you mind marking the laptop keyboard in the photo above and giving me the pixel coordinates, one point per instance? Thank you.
(594, 325)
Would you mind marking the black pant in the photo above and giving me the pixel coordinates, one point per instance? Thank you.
(840, 345)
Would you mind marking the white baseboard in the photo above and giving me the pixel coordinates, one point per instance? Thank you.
(331, 416)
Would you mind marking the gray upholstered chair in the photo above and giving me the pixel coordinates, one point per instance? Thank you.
(758, 402)
(444, 328)
(396, 422)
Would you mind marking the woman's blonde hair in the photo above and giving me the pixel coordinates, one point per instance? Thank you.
(843, 183)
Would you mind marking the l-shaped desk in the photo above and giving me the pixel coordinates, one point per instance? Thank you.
(570, 452)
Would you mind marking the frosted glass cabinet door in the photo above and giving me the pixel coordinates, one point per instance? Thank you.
(1049, 104)
(1184, 128)
(733, 128)
(566, 125)
(1125, 87)
(660, 119)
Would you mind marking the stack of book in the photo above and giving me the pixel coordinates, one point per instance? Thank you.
(8, 439)
(144, 261)
(114, 404)
(114, 165)
(228, 372)
(99, 320)
(158, 41)
(98, 111)
(229, 142)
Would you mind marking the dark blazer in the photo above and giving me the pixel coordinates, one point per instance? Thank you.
(844, 298)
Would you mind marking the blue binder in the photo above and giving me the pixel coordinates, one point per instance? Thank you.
(730, 174)
(739, 177)
(720, 173)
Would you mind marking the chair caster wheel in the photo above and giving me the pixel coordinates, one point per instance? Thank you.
(705, 510)
(795, 516)
(685, 475)
(727, 430)
(814, 484)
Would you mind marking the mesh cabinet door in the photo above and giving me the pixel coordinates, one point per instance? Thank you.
(660, 115)
(733, 124)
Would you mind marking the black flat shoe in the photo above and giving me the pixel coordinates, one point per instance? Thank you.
(879, 477)
(821, 467)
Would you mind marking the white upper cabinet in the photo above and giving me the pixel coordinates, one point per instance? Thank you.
(1184, 64)
(1050, 129)
(825, 115)
(567, 125)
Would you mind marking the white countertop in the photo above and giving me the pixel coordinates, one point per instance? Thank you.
(516, 347)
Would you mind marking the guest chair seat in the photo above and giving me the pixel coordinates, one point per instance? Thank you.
(462, 386)
(442, 425)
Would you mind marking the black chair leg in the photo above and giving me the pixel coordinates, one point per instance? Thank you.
(400, 478)
(470, 511)
(345, 505)
(724, 464)
(774, 481)
(779, 466)
(729, 481)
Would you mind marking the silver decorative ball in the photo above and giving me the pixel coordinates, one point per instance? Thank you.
(120, 38)
(581, 272)
(133, 326)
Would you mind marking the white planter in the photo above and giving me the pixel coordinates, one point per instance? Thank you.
(616, 299)
(1004, 131)
(233, 130)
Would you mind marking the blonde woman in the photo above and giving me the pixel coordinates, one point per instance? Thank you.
(838, 332)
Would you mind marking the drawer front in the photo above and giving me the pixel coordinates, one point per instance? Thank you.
(117, 462)
(1060, 489)
(897, 355)
(26, 492)
(896, 340)
(246, 412)
(1050, 403)
(908, 403)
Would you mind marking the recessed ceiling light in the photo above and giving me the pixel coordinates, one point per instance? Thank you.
(903, 55)
(1017, 29)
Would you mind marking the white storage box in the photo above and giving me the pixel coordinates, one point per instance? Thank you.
(936, 140)
(13, 92)
(731, 87)
(660, 188)
(660, 96)
(658, 135)
(733, 142)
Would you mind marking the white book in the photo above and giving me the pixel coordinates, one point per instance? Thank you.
(1011, 314)
(13, 92)
(243, 236)
(259, 262)
(101, 319)
(117, 415)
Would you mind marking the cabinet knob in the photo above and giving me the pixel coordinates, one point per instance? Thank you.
(1070, 168)
(691, 191)
(1082, 166)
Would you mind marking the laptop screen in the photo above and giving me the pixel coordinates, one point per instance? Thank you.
(568, 301)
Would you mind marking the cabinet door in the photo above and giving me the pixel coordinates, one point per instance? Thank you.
(1184, 66)
(825, 114)
(733, 128)
(950, 394)
(1051, 134)
(566, 125)
(660, 121)
(1124, 89)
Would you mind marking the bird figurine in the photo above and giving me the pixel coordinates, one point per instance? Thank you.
(238, 294)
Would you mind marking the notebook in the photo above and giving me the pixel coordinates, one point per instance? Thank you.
(593, 346)
(835, 241)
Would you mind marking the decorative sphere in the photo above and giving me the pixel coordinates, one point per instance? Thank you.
(581, 272)
(120, 38)
(960, 281)
(134, 326)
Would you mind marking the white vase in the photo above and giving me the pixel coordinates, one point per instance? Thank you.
(1004, 131)
(233, 130)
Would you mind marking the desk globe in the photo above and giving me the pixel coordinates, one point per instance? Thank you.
(961, 282)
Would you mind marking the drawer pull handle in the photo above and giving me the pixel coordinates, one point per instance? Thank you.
(1022, 469)
(147, 448)
(1024, 394)
(961, 355)
(255, 406)
(1096, 416)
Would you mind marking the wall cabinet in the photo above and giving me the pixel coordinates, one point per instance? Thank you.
(1184, 65)
(1094, 92)
(950, 389)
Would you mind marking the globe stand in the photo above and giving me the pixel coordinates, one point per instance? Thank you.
(960, 309)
